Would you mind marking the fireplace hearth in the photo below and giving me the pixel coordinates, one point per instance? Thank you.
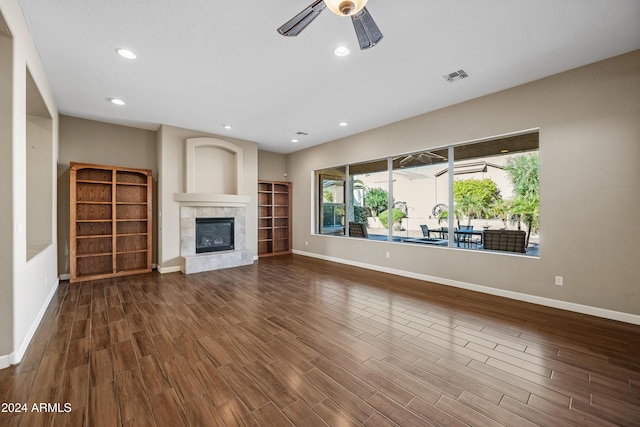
(214, 234)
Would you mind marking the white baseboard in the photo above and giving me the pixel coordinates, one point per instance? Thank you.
(17, 355)
(548, 302)
(164, 270)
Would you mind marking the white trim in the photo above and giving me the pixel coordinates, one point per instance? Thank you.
(211, 199)
(548, 302)
(172, 269)
(17, 355)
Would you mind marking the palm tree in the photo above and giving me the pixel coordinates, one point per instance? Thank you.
(444, 215)
(471, 207)
(500, 209)
(527, 211)
(524, 174)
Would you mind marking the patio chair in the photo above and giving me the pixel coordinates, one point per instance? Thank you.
(444, 232)
(358, 229)
(425, 230)
(469, 239)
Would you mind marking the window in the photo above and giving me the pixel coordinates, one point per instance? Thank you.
(332, 208)
(419, 197)
(368, 187)
(493, 190)
(496, 189)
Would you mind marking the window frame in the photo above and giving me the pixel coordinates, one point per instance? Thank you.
(485, 152)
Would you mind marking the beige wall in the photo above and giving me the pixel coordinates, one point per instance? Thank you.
(589, 185)
(89, 141)
(272, 166)
(39, 227)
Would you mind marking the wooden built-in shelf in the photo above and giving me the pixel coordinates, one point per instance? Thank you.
(111, 211)
(274, 218)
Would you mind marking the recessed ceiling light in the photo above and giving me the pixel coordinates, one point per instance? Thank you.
(341, 51)
(126, 53)
(117, 101)
(226, 126)
(343, 124)
(294, 140)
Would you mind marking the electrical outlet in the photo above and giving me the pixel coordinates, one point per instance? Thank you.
(388, 255)
(306, 243)
(559, 281)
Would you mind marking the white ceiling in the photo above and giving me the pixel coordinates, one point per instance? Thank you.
(205, 63)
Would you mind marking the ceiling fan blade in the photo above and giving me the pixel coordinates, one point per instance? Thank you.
(429, 156)
(406, 160)
(295, 25)
(367, 31)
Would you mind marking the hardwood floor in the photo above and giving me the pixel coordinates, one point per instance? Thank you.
(294, 340)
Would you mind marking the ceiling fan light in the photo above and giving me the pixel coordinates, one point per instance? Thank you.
(345, 7)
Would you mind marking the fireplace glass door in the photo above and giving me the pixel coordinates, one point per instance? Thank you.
(214, 234)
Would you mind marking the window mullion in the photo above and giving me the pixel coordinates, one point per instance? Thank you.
(451, 208)
(348, 200)
(390, 199)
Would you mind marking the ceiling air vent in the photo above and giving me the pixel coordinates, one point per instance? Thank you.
(456, 75)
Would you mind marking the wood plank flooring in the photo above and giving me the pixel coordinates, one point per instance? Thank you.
(292, 340)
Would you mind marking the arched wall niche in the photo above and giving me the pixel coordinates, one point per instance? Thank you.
(214, 166)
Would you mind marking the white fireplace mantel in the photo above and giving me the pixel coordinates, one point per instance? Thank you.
(211, 199)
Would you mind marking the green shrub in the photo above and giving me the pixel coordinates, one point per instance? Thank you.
(376, 199)
(384, 217)
(360, 214)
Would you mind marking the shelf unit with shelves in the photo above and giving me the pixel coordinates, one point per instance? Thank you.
(274, 218)
(111, 221)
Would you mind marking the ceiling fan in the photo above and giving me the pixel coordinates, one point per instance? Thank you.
(367, 31)
(426, 157)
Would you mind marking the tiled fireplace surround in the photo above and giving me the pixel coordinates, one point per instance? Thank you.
(203, 199)
(195, 263)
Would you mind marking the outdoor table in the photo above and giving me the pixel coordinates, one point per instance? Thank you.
(442, 231)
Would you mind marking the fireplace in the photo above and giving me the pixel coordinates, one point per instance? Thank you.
(217, 206)
(214, 234)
